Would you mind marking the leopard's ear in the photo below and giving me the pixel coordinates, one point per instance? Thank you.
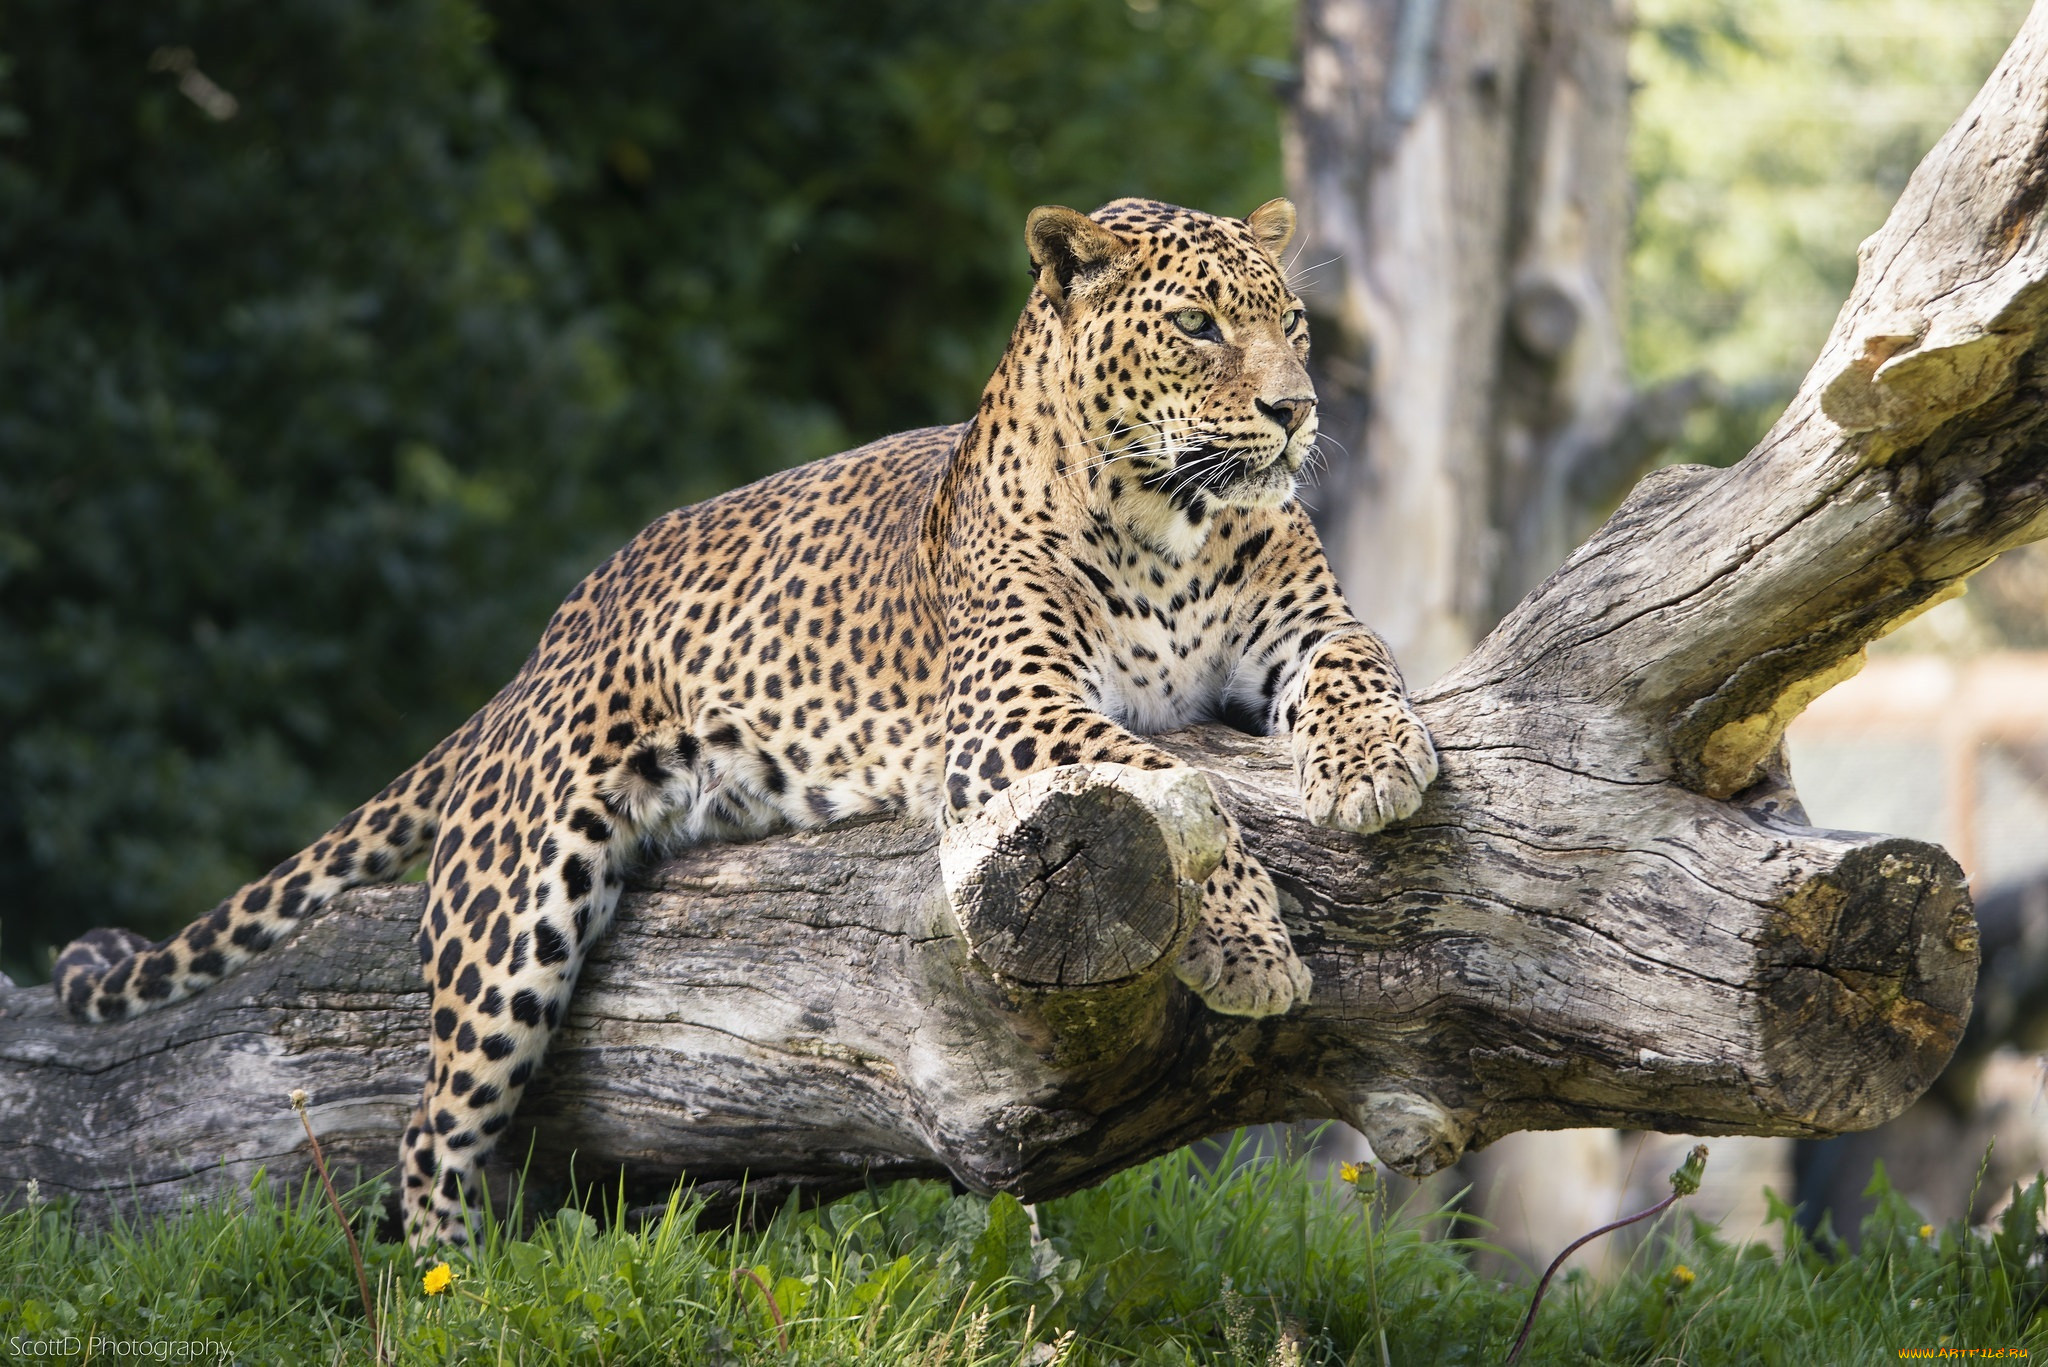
(1272, 223)
(1070, 250)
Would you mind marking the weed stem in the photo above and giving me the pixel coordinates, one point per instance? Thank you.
(774, 1311)
(355, 1253)
(1684, 1183)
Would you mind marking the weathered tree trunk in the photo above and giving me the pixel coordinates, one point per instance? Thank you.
(1462, 171)
(1608, 912)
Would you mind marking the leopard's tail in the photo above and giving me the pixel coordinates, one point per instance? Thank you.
(106, 975)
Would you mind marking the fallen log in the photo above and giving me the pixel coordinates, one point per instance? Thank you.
(1610, 910)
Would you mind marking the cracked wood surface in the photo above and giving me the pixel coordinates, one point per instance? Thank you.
(1610, 910)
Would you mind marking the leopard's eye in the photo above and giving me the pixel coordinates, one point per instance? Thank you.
(1194, 322)
(1290, 320)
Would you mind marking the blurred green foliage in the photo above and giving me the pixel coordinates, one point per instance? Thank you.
(338, 339)
(1770, 137)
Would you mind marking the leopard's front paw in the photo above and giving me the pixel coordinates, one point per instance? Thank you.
(1363, 766)
(1239, 960)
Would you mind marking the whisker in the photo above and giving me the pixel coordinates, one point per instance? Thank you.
(1168, 453)
(1316, 462)
(1196, 472)
(1222, 471)
(1121, 429)
(1296, 278)
(1157, 444)
(1322, 437)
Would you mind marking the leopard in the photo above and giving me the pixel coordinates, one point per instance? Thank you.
(1112, 547)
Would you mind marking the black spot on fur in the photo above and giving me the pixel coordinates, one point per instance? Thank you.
(646, 762)
(575, 879)
(590, 825)
(252, 937)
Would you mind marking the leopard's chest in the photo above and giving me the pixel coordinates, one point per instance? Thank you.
(1163, 661)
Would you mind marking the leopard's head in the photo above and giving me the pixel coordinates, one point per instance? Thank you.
(1184, 353)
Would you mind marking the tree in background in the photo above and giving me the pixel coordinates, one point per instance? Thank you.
(338, 339)
(1463, 174)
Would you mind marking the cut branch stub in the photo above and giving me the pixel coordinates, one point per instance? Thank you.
(1878, 963)
(1083, 876)
(1074, 890)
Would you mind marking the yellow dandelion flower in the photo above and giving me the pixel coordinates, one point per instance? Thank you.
(1350, 1172)
(1682, 1276)
(1927, 1231)
(438, 1279)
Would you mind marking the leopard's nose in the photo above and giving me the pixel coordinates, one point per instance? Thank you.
(1289, 413)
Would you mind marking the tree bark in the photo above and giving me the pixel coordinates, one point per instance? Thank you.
(1608, 912)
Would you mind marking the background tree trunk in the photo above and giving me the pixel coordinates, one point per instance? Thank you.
(1462, 171)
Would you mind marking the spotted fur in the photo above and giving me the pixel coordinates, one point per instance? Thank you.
(1109, 548)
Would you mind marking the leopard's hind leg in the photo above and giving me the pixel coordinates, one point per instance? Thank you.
(524, 879)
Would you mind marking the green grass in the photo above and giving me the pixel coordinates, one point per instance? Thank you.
(1174, 1262)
